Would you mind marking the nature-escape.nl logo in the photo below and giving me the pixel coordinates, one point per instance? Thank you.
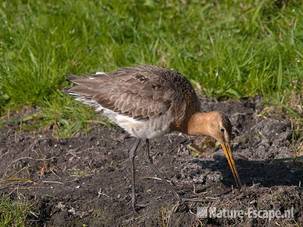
(250, 212)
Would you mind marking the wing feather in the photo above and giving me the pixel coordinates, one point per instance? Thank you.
(142, 92)
(127, 92)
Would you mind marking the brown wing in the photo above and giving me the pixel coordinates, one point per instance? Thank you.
(141, 92)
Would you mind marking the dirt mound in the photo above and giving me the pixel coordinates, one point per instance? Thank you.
(86, 179)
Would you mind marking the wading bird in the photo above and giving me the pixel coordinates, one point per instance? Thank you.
(149, 101)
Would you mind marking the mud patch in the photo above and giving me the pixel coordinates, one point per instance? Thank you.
(86, 179)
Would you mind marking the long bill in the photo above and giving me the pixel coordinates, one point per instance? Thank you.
(231, 163)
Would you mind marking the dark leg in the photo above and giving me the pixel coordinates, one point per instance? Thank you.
(132, 155)
(157, 172)
(150, 159)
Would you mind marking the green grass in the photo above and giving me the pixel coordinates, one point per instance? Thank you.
(13, 213)
(230, 48)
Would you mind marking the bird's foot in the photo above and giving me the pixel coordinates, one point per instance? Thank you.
(136, 207)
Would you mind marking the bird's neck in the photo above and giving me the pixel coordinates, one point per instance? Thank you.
(198, 123)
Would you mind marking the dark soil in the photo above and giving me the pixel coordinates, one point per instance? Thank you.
(86, 179)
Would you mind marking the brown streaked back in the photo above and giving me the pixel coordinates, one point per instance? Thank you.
(143, 92)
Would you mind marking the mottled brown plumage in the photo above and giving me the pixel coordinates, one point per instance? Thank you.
(143, 93)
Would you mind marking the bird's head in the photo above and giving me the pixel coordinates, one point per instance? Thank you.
(216, 125)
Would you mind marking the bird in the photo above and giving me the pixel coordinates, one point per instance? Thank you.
(148, 101)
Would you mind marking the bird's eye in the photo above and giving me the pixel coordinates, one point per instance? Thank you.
(222, 130)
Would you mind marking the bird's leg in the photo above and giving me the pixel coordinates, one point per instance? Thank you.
(132, 155)
(150, 159)
(157, 172)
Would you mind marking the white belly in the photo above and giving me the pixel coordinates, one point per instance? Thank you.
(145, 129)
